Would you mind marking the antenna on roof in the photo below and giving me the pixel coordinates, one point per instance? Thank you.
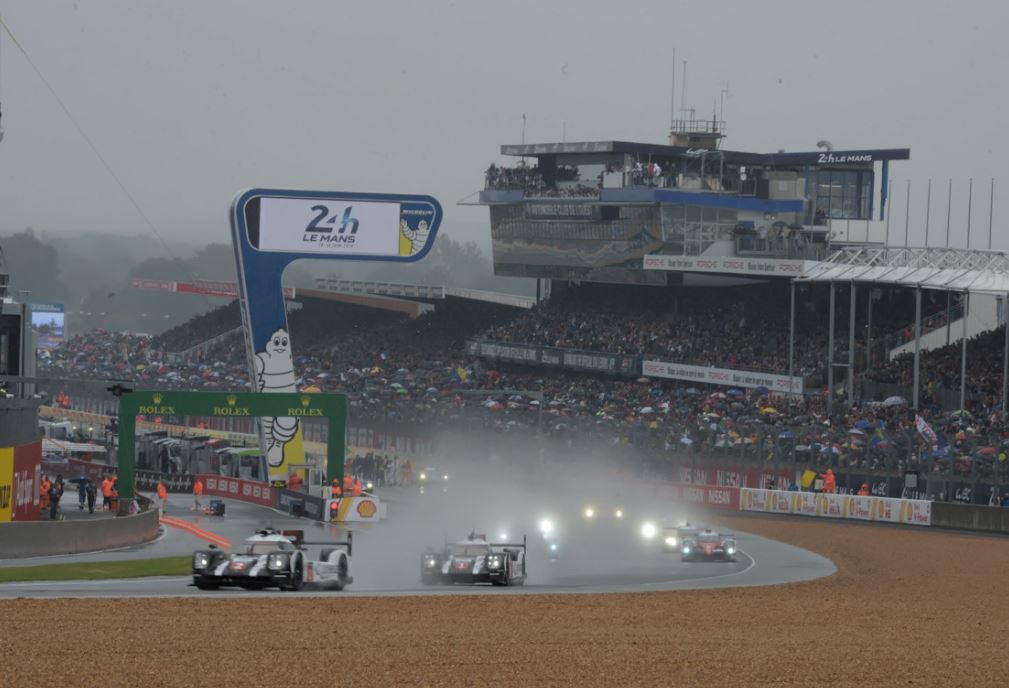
(672, 98)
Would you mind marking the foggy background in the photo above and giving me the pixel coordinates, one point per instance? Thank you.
(188, 102)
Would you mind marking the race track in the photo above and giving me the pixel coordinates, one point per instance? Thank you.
(604, 555)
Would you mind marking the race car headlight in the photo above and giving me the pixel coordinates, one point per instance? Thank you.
(619, 513)
(277, 562)
(671, 541)
(445, 477)
(589, 512)
(648, 530)
(201, 560)
(495, 562)
(370, 486)
(553, 546)
(546, 526)
(731, 549)
(430, 562)
(686, 549)
(423, 476)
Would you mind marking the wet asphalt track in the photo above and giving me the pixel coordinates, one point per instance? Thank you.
(598, 556)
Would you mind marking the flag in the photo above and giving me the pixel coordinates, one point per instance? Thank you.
(876, 437)
(926, 430)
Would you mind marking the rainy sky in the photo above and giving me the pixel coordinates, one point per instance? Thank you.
(190, 101)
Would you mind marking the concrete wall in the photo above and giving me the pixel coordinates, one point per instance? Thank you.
(41, 538)
(990, 519)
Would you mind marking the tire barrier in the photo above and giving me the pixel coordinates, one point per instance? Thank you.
(44, 538)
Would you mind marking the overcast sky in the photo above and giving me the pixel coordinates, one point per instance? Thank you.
(191, 101)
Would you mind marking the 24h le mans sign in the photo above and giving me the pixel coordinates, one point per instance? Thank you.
(331, 407)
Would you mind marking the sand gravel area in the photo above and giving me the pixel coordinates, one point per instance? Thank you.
(907, 607)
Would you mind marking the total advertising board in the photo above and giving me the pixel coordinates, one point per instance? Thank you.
(865, 508)
(20, 482)
(781, 267)
(721, 376)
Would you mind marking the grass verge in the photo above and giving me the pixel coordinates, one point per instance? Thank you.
(134, 568)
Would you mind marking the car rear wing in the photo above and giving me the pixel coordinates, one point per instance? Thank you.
(298, 538)
(521, 545)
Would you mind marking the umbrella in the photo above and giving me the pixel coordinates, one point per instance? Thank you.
(647, 409)
(643, 379)
(856, 431)
(768, 410)
(895, 401)
(761, 391)
(787, 435)
(734, 392)
(986, 451)
(717, 395)
(863, 424)
(693, 390)
(962, 414)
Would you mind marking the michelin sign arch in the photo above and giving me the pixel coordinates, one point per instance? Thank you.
(272, 228)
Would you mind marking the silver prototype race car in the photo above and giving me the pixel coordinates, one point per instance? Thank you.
(475, 560)
(708, 545)
(673, 536)
(275, 559)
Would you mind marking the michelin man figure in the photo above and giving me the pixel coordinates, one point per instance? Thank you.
(275, 373)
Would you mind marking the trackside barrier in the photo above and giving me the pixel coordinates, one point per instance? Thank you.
(44, 538)
(910, 511)
(251, 491)
(970, 517)
(366, 508)
(712, 496)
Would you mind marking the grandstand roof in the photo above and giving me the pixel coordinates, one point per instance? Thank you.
(947, 269)
(799, 158)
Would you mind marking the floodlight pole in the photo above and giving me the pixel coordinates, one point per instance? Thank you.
(1005, 356)
(830, 354)
(791, 333)
(917, 346)
(963, 351)
(851, 346)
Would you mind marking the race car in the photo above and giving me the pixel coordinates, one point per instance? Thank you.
(275, 559)
(431, 476)
(214, 508)
(673, 536)
(475, 560)
(708, 545)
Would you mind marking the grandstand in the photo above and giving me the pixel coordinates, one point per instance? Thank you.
(693, 320)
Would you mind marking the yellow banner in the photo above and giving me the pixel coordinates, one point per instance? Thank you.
(6, 483)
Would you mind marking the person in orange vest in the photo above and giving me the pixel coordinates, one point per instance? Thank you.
(44, 493)
(335, 490)
(197, 493)
(114, 493)
(357, 488)
(864, 490)
(294, 481)
(106, 493)
(348, 482)
(829, 483)
(163, 495)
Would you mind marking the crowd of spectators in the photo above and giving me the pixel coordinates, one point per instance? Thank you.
(408, 373)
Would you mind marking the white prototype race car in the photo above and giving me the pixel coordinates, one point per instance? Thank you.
(275, 559)
(475, 560)
(673, 536)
